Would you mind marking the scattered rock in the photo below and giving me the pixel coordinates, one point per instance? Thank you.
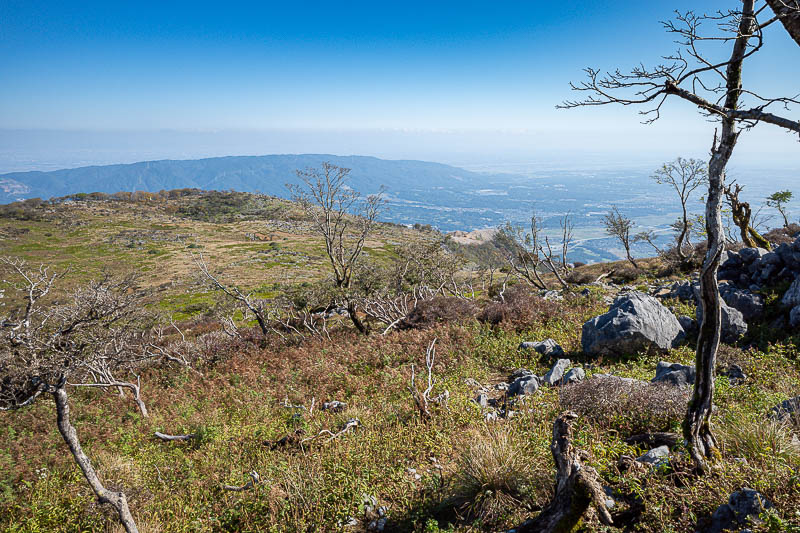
(524, 386)
(575, 375)
(751, 305)
(689, 324)
(519, 373)
(552, 295)
(655, 457)
(634, 322)
(786, 410)
(743, 507)
(547, 347)
(735, 374)
(794, 316)
(556, 373)
(482, 400)
(674, 374)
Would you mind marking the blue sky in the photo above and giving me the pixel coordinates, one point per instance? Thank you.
(431, 67)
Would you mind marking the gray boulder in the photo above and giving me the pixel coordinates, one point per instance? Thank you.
(655, 456)
(553, 377)
(674, 374)
(519, 373)
(733, 323)
(575, 375)
(634, 322)
(791, 298)
(786, 410)
(547, 347)
(794, 316)
(746, 302)
(749, 255)
(685, 290)
(688, 324)
(743, 507)
(524, 386)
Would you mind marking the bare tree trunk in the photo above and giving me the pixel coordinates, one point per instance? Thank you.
(684, 231)
(701, 442)
(116, 499)
(577, 486)
(352, 311)
(630, 258)
(789, 13)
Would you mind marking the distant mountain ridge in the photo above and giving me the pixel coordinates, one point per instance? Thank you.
(268, 174)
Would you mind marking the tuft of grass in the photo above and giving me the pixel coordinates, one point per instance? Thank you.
(759, 440)
(494, 474)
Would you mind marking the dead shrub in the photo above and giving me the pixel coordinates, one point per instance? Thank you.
(782, 235)
(577, 277)
(625, 274)
(626, 405)
(520, 307)
(439, 310)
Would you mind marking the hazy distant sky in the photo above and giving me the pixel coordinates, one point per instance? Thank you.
(474, 77)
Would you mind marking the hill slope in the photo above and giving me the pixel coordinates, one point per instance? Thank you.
(268, 174)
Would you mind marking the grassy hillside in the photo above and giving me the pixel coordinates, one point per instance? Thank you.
(255, 404)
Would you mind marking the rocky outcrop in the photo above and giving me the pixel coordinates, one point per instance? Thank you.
(756, 266)
(635, 322)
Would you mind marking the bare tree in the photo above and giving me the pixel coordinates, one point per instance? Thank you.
(683, 175)
(742, 214)
(342, 218)
(619, 226)
(90, 336)
(706, 72)
(778, 200)
(421, 271)
(531, 255)
(788, 12)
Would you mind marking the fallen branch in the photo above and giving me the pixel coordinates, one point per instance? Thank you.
(255, 479)
(422, 400)
(165, 437)
(348, 426)
(578, 486)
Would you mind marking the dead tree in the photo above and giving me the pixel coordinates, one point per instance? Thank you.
(683, 175)
(342, 218)
(578, 487)
(742, 216)
(706, 72)
(788, 12)
(90, 336)
(245, 299)
(619, 226)
(530, 254)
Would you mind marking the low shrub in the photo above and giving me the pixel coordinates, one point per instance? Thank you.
(627, 406)
(520, 307)
(625, 274)
(439, 310)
